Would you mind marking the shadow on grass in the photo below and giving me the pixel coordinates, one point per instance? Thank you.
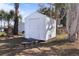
(69, 52)
(6, 50)
(57, 42)
(63, 52)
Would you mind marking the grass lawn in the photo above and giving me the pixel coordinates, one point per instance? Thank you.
(2, 34)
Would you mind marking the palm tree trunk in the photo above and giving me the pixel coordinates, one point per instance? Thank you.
(16, 26)
(16, 19)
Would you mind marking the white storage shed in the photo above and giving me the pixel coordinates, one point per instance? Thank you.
(40, 27)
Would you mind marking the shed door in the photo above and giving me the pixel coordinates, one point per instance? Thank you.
(34, 28)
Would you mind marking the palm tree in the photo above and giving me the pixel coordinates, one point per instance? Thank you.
(20, 17)
(16, 19)
(9, 16)
(1, 16)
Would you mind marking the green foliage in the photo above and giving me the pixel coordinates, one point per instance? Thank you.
(49, 11)
(2, 13)
(59, 5)
(20, 17)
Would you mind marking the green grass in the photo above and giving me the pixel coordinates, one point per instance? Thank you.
(3, 34)
(61, 36)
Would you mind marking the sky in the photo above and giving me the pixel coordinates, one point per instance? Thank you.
(27, 9)
(24, 9)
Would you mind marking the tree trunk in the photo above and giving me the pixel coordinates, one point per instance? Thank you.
(16, 19)
(72, 20)
(16, 26)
